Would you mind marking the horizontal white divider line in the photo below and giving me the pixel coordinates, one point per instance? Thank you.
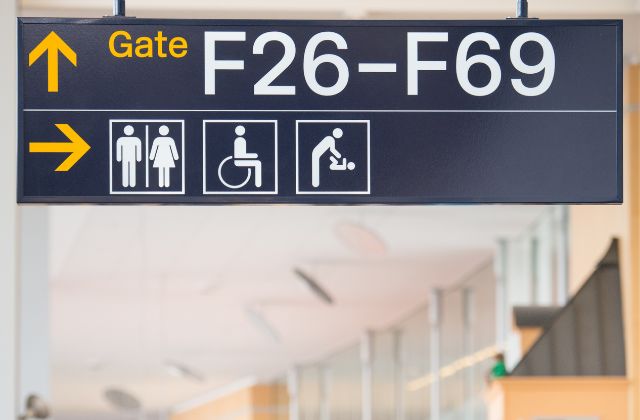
(425, 111)
(377, 67)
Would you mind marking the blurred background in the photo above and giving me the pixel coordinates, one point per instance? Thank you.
(330, 313)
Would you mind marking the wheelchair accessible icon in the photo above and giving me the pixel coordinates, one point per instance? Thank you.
(240, 157)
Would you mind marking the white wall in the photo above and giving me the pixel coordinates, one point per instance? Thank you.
(7, 211)
(33, 301)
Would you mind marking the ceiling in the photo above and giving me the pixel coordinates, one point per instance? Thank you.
(133, 288)
(498, 7)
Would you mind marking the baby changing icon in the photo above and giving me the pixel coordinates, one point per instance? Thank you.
(147, 156)
(332, 157)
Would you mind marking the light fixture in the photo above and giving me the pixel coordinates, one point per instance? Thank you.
(122, 400)
(314, 286)
(360, 239)
(261, 324)
(453, 368)
(180, 370)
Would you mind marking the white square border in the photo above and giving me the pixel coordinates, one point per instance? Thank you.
(184, 140)
(368, 190)
(204, 161)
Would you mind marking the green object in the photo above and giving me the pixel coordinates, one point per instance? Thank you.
(499, 370)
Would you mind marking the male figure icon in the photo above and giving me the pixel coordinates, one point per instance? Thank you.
(129, 152)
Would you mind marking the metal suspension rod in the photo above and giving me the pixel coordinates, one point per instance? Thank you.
(119, 8)
(522, 9)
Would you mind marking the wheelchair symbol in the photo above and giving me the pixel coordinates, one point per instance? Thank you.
(228, 185)
(242, 159)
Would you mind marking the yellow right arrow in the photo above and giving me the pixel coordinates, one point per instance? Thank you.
(53, 45)
(77, 147)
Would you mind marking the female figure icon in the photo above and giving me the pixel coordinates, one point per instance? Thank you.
(164, 154)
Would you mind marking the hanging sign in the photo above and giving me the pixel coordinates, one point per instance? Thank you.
(125, 110)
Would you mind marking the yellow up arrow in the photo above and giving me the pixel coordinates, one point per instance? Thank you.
(77, 147)
(53, 45)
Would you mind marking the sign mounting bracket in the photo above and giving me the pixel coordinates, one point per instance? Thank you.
(522, 11)
(119, 8)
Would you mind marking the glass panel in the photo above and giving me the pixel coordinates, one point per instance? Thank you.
(482, 339)
(345, 385)
(384, 375)
(451, 351)
(309, 393)
(414, 347)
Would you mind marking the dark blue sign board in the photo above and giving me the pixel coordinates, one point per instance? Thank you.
(132, 110)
